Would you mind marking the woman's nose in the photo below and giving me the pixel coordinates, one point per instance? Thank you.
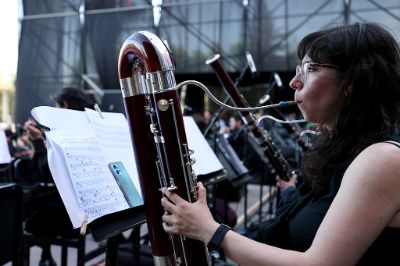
(296, 82)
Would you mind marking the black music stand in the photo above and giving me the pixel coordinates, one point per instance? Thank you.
(10, 223)
(110, 226)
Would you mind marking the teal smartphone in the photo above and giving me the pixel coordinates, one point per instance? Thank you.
(125, 183)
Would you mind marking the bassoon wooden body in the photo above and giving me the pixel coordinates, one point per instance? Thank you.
(263, 139)
(162, 155)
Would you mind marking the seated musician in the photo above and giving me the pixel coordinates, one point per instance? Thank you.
(348, 212)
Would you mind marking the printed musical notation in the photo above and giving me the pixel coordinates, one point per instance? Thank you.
(95, 189)
(113, 131)
(80, 145)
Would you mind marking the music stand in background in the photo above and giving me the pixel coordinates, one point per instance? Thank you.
(112, 101)
(207, 166)
(10, 223)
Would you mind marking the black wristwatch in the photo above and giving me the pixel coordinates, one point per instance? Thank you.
(214, 246)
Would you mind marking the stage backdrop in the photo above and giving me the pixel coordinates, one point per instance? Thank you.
(76, 42)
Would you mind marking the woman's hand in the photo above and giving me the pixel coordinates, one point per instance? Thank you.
(193, 220)
(33, 131)
(283, 185)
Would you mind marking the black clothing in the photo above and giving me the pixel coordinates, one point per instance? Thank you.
(40, 161)
(44, 201)
(298, 221)
(238, 139)
(303, 225)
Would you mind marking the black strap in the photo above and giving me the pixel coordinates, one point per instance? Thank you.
(218, 236)
(214, 246)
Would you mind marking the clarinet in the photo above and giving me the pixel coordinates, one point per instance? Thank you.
(261, 136)
(151, 103)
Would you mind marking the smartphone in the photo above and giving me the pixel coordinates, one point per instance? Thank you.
(125, 183)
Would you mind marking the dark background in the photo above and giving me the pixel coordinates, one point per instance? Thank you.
(65, 42)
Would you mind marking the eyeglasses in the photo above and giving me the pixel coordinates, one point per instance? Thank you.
(306, 67)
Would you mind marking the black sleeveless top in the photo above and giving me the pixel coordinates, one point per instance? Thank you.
(310, 211)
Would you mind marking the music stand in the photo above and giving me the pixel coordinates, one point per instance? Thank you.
(111, 225)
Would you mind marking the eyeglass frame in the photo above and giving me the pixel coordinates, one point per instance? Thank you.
(304, 75)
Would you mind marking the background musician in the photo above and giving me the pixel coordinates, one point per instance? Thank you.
(44, 201)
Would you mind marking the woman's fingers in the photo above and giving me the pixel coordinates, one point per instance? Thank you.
(168, 228)
(185, 218)
(168, 205)
(176, 199)
(202, 192)
(173, 197)
(170, 223)
(295, 179)
(168, 218)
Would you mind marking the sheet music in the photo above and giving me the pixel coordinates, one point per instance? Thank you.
(79, 165)
(113, 131)
(5, 156)
(206, 160)
(80, 146)
(94, 187)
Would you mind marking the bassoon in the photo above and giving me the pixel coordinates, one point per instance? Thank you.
(263, 139)
(151, 102)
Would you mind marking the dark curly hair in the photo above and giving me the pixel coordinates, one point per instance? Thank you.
(368, 59)
(76, 99)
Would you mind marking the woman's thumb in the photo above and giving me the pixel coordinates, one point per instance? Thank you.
(202, 191)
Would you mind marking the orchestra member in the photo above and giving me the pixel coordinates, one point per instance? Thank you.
(348, 83)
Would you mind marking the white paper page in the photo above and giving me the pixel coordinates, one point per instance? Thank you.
(113, 135)
(75, 159)
(61, 178)
(206, 160)
(61, 118)
(5, 156)
(96, 191)
(56, 118)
